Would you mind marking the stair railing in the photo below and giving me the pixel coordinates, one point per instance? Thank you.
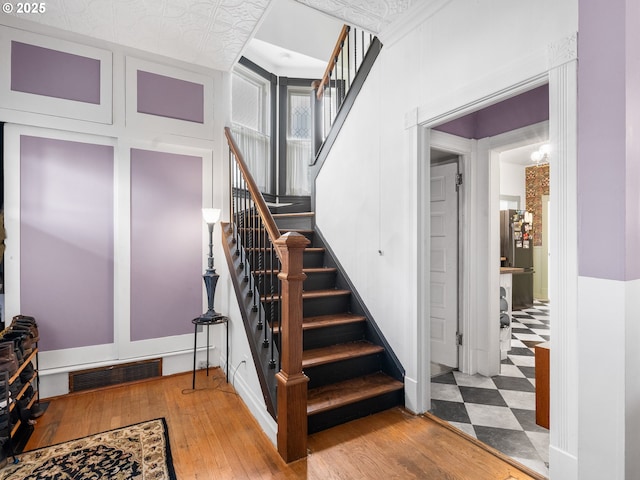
(272, 267)
(331, 91)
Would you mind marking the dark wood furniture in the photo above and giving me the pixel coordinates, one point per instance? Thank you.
(542, 384)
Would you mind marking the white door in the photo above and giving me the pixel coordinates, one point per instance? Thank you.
(444, 265)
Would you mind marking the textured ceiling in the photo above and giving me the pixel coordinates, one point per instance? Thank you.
(211, 33)
(372, 15)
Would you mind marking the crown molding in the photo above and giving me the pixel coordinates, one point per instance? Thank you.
(373, 15)
(412, 18)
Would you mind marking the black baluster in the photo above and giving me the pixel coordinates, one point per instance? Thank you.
(265, 342)
(260, 268)
(330, 97)
(363, 49)
(348, 60)
(341, 90)
(237, 207)
(243, 235)
(272, 362)
(279, 321)
(230, 164)
(250, 243)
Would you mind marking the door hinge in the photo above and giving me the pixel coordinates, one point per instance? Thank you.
(458, 181)
(458, 339)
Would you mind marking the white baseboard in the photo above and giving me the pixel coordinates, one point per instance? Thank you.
(54, 382)
(562, 465)
(256, 406)
(411, 400)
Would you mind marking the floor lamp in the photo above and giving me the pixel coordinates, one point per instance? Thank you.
(210, 277)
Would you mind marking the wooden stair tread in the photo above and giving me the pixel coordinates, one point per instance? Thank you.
(332, 292)
(281, 230)
(305, 270)
(351, 391)
(306, 250)
(296, 230)
(336, 353)
(320, 270)
(293, 215)
(323, 321)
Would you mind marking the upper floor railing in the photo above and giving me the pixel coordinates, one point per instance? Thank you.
(330, 93)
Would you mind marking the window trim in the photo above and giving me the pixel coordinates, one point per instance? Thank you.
(271, 115)
(284, 84)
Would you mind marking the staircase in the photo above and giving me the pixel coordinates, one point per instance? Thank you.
(343, 356)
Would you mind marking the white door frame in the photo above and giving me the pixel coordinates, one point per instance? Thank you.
(488, 153)
(464, 148)
(561, 76)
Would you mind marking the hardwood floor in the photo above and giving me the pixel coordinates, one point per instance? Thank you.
(213, 436)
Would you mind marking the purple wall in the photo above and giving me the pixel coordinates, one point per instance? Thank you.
(520, 111)
(601, 140)
(166, 243)
(632, 49)
(66, 241)
(43, 71)
(170, 97)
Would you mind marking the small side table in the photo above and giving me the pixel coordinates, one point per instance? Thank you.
(208, 322)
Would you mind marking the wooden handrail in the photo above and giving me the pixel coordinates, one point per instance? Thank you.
(291, 392)
(332, 61)
(258, 199)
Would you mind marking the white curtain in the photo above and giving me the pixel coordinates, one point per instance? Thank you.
(254, 147)
(298, 159)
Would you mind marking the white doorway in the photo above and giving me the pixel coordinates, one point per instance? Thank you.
(478, 267)
(495, 403)
(444, 266)
(524, 186)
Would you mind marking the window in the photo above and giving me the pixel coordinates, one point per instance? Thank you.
(299, 135)
(249, 100)
(250, 109)
(300, 114)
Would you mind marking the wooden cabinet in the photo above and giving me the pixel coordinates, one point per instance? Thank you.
(542, 384)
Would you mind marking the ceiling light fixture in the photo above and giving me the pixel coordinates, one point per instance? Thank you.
(541, 155)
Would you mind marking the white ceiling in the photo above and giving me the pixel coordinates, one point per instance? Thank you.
(210, 33)
(372, 15)
(521, 155)
(294, 40)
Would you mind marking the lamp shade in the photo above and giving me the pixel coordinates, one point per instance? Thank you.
(211, 215)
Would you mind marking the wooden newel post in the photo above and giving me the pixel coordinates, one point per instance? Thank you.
(292, 382)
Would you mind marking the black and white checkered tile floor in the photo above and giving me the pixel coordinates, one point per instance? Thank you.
(500, 411)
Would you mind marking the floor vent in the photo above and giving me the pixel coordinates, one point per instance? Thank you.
(114, 375)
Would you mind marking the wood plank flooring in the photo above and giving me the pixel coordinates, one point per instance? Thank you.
(213, 436)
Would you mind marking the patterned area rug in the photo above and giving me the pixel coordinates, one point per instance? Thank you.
(136, 452)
